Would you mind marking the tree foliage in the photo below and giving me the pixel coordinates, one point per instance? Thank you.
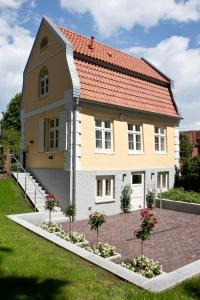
(11, 117)
(185, 148)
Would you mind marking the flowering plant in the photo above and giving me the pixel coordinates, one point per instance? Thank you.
(50, 204)
(102, 249)
(74, 237)
(96, 219)
(143, 266)
(70, 212)
(53, 227)
(146, 227)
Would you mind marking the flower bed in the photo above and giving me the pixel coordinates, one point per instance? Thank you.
(103, 249)
(51, 228)
(75, 238)
(143, 266)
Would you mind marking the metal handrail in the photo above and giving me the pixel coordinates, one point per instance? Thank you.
(26, 175)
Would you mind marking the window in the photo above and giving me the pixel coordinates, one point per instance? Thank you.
(136, 178)
(162, 181)
(44, 43)
(53, 134)
(44, 83)
(104, 188)
(134, 138)
(103, 135)
(160, 139)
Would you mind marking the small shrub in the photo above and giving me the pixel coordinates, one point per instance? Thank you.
(102, 249)
(125, 198)
(179, 194)
(96, 219)
(143, 266)
(151, 197)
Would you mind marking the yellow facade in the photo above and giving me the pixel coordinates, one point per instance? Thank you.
(35, 159)
(53, 57)
(120, 158)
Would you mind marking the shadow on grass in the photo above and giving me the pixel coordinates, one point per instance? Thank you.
(192, 288)
(5, 249)
(12, 287)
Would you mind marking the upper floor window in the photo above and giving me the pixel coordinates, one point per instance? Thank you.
(103, 135)
(44, 42)
(44, 82)
(160, 138)
(134, 138)
(53, 134)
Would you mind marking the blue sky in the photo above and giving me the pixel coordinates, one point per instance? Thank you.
(165, 32)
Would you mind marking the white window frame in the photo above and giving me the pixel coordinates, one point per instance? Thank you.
(105, 198)
(53, 129)
(44, 78)
(160, 135)
(135, 133)
(162, 175)
(103, 130)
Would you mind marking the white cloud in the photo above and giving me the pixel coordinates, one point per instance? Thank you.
(15, 45)
(111, 15)
(14, 4)
(181, 63)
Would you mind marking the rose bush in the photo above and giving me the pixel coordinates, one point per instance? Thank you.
(50, 204)
(96, 219)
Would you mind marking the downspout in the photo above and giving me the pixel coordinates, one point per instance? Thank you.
(76, 102)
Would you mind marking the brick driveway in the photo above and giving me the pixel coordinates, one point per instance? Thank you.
(175, 241)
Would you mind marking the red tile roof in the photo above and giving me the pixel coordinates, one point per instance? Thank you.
(105, 85)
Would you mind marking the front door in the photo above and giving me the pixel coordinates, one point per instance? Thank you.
(137, 185)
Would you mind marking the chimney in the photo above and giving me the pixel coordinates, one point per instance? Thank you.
(91, 46)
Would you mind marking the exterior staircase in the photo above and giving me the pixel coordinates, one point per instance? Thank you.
(33, 191)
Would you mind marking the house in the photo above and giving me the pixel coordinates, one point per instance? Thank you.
(194, 138)
(95, 119)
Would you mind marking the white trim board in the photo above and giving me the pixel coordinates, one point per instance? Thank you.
(156, 284)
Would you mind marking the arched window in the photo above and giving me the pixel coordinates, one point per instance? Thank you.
(44, 82)
(44, 42)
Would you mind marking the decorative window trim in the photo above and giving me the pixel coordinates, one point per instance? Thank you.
(161, 180)
(135, 133)
(55, 130)
(107, 186)
(43, 83)
(103, 129)
(160, 136)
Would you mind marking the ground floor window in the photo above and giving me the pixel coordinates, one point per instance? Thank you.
(163, 181)
(104, 188)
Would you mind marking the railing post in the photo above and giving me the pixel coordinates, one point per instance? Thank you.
(35, 199)
(25, 186)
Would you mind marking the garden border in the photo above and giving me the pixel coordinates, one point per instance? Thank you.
(156, 284)
(181, 206)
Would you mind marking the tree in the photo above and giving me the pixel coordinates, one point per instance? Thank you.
(11, 117)
(70, 212)
(96, 219)
(126, 198)
(185, 148)
(11, 140)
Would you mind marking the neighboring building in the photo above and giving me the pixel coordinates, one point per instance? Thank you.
(95, 119)
(194, 138)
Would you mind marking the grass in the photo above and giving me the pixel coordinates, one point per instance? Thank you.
(33, 268)
(179, 194)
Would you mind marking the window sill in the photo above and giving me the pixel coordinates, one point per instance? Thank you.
(135, 152)
(161, 152)
(104, 201)
(43, 96)
(103, 152)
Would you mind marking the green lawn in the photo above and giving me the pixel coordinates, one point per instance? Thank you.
(33, 268)
(179, 194)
